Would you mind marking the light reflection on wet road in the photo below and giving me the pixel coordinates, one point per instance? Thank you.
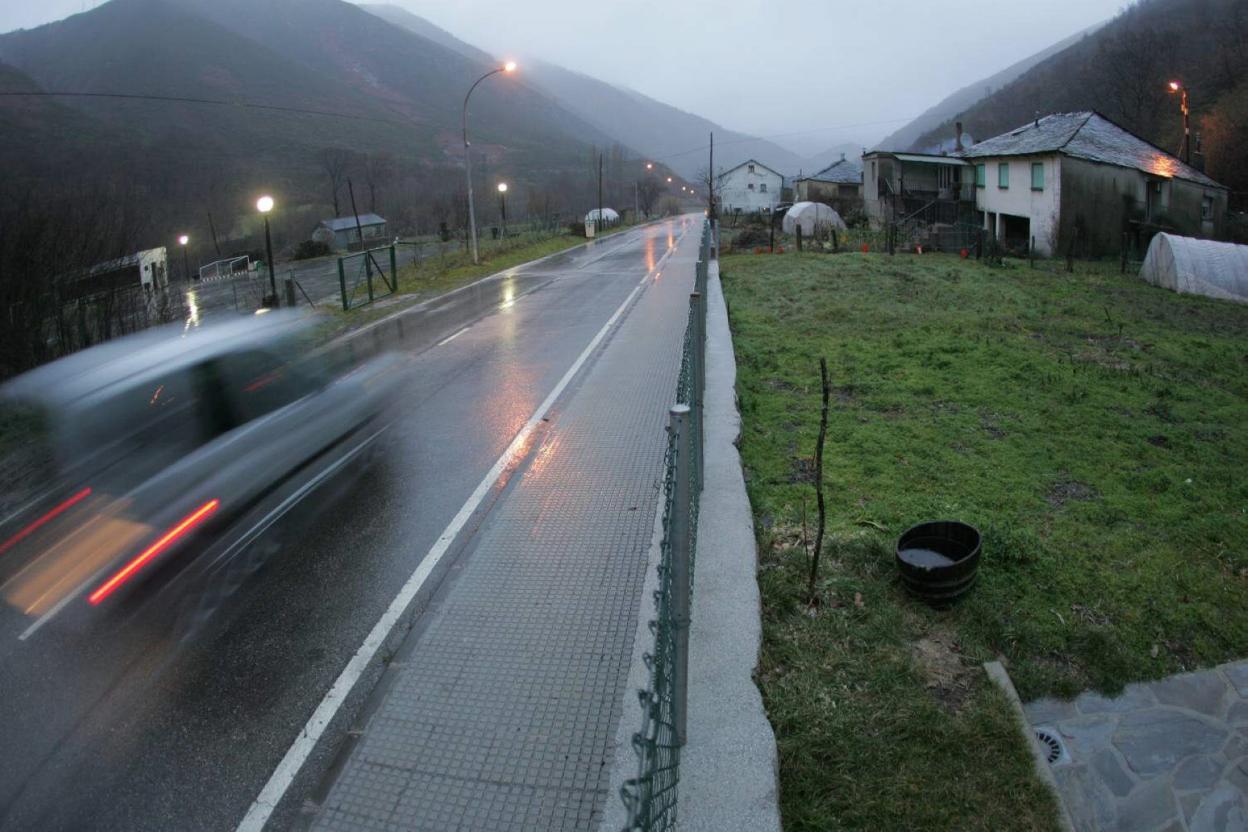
(116, 730)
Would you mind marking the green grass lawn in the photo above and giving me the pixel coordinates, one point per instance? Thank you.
(1093, 427)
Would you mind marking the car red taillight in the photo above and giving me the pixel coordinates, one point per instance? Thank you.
(51, 515)
(184, 527)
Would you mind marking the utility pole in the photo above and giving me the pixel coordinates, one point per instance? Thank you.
(636, 204)
(710, 181)
(598, 225)
(213, 228)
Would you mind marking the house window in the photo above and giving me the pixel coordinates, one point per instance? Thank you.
(750, 186)
(1003, 176)
(1037, 176)
(1206, 207)
(751, 168)
(762, 188)
(981, 176)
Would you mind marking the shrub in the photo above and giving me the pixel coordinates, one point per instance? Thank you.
(311, 248)
(751, 236)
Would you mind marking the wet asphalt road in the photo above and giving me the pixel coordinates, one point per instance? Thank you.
(115, 729)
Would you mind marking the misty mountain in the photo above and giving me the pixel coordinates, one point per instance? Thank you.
(908, 137)
(389, 97)
(1122, 71)
(654, 129)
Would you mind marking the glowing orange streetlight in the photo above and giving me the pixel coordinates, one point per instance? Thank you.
(1175, 86)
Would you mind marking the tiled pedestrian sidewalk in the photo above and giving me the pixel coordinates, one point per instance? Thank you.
(1167, 756)
(503, 713)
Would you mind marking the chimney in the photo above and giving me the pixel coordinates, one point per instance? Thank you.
(843, 155)
(957, 137)
(1037, 118)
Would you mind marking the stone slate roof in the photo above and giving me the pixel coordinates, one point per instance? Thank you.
(1090, 136)
(344, 223)
(840, 172)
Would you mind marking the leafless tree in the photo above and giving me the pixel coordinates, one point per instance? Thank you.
(378, 169)
(648, 191)
(336, 163)
(1129, 73)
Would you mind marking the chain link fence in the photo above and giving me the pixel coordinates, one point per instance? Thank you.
(650, 798)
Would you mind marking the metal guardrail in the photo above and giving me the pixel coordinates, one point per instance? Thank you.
(651, 797)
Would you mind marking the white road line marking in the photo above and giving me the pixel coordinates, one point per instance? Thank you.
(264, 804)
(448, 339)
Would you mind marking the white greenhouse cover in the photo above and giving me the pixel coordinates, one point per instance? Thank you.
(1197, 267)
(609, 215)
(813, 217)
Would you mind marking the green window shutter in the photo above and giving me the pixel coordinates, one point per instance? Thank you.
(1037, 176)
(1003, 175)
(981, 176)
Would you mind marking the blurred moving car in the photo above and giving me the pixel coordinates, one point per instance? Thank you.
(161, 461)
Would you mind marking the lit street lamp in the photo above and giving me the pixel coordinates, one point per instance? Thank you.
(502, 205)
(510, 66)
(186, 263)
(1174, 87)
(264, 205)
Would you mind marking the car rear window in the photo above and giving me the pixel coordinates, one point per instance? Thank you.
(27, 461)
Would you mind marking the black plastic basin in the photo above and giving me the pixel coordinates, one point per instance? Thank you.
(939, 559)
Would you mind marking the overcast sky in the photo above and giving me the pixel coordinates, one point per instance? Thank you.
(809, 73)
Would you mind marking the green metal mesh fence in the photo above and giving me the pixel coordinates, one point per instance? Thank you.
(651, 796)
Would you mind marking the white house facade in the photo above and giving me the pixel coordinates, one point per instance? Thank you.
(751, 187)
(1079, 181)
(1009, 189)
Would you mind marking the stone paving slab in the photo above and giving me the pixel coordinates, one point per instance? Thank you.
(502, 712)
(1164, 756)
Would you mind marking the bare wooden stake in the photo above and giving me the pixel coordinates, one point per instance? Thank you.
(823, 432)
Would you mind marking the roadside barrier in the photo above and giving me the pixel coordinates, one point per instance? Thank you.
(651, 796)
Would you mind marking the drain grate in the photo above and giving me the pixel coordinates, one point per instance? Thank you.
(1052, 745)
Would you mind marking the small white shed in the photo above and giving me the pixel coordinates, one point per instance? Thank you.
(1197, 267)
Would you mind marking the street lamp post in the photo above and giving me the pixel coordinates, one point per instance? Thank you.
(186, 262)
(502, 205)
(510, 66)
(1174, 87)
(264, 205)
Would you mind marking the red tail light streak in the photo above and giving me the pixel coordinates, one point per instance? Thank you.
(51, 515)
(147, 555)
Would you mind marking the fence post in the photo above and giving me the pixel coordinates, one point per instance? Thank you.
(1124, 252)
(799, 236)
(290, 291)
(342, 285)
(394, 270)
(682, 534)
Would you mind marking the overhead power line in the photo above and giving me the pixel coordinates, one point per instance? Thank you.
(218, 102)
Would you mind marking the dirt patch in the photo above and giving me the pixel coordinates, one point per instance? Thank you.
(947, 674)
(845, 395)
(1068, 491)
(803, 470)
(782, 385)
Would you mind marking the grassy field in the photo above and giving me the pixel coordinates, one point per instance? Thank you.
(1093, 427)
